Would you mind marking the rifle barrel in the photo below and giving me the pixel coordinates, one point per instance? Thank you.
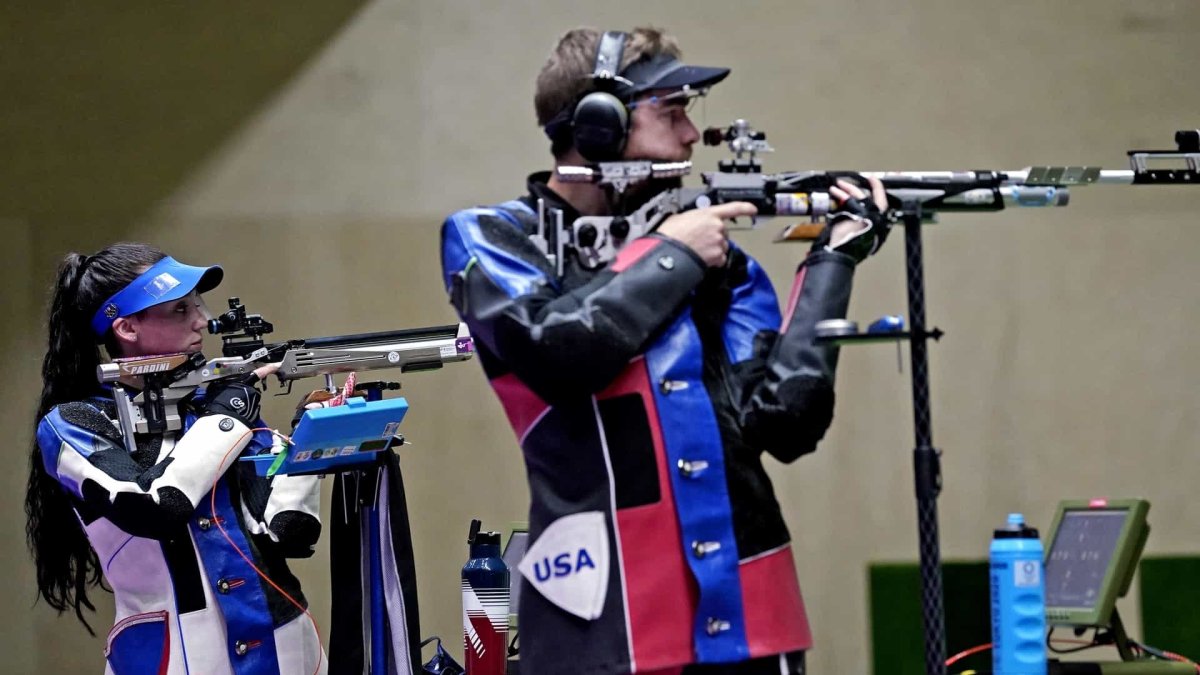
(407, 335)
(1057, 176)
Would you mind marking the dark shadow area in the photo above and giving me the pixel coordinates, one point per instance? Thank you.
(107, 107)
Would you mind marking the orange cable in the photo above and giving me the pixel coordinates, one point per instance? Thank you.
(1182, 659)
(967, 652)
(975, 650)
(217, 520)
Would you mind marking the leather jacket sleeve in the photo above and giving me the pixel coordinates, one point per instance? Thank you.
(788, 396)
(560, 343)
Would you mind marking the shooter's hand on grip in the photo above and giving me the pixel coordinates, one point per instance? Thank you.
(859, 226)
(263, 371)
(703, 230)
(318, 398)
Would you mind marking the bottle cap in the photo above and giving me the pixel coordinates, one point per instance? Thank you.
(486, 538)
(1016, 529)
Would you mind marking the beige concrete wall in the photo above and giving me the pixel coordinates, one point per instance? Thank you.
(1066, 371)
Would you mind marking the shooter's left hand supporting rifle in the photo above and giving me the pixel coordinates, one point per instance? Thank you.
(595, 240)
(163, 382)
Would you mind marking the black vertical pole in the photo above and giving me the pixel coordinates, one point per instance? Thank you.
(926, 463)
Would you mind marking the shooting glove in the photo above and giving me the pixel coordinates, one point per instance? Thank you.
(868, 240)
(236, 398)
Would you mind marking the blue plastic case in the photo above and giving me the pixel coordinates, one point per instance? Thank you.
(328, 440)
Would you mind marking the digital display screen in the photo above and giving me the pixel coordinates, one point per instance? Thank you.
(1080, 556)
(513, 552)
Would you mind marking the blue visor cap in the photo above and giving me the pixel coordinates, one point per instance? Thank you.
(666, 72)
(166, 280)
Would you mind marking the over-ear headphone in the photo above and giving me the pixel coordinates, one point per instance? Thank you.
(600, 123)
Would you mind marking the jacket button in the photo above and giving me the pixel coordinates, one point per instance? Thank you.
(667, 386)
(691, 469)
(204, 523)
(700, 549)
(240, 647)
(716, 627)
(667, 262)
(223, 586)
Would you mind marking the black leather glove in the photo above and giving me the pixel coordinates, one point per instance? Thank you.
(875, 223)
(236, 398)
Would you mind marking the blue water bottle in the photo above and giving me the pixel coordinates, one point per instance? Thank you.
(1018, 600)
(485, 605)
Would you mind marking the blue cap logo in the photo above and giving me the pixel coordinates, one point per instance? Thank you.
(110, 310)
(161, 285)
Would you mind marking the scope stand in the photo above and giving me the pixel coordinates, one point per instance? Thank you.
(364, 485)
(927, 471)
(362, 524)
(927, 468)
(357, 492)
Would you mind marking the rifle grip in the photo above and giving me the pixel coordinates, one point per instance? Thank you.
(800, 232)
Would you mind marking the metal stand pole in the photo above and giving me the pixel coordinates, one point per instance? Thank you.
(926, 462)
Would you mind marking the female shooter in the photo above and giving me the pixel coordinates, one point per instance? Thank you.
(173, 525)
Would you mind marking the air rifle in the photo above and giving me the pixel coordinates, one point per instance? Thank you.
(163, 382)
(595, 240)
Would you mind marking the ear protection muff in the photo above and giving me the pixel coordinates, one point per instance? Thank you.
(600, 123)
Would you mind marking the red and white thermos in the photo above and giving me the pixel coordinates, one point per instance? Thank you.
(485, 605)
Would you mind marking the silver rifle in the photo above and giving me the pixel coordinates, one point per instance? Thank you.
(596, 240)
(163, 382)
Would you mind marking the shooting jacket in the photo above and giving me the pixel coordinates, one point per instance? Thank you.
(186, 601)
(643, 395)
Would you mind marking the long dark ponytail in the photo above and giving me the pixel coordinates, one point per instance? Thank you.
(66, 564)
